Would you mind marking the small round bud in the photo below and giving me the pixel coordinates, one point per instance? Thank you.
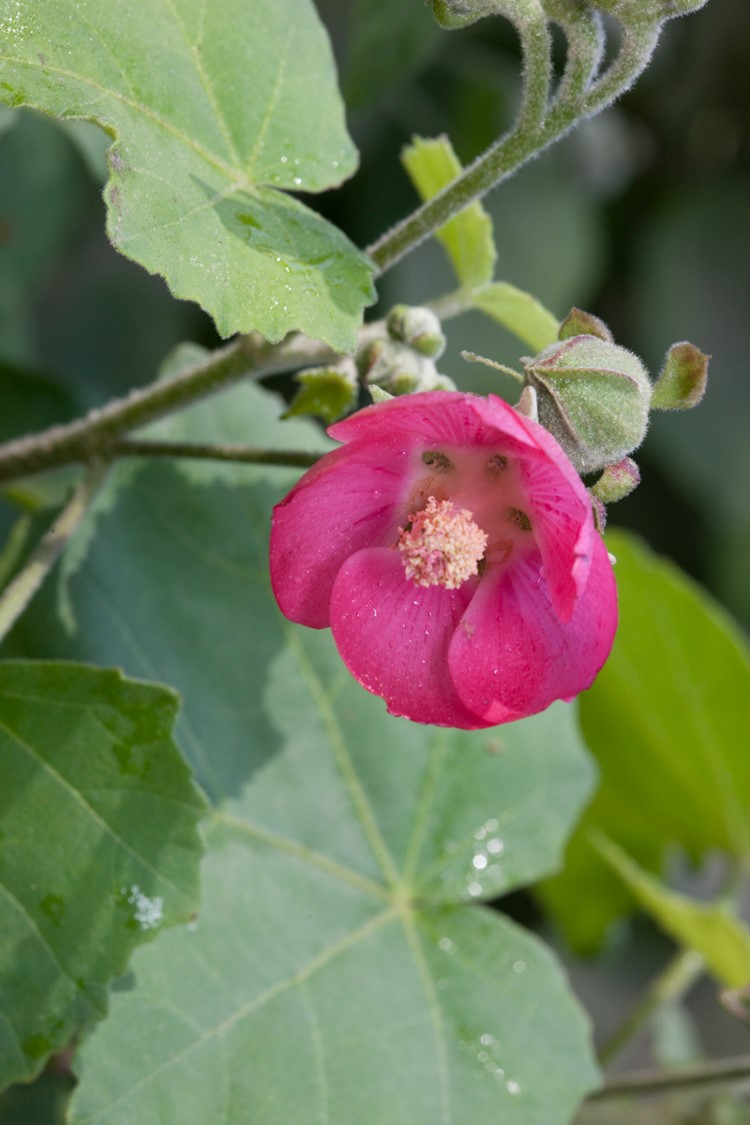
(417, 327)
(593, 396)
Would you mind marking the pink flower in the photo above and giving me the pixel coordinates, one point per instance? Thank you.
(450, 546)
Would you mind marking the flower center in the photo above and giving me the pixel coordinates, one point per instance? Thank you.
(441, 545)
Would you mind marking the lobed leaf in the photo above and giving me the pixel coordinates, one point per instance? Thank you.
(99, 846)
(215, 110)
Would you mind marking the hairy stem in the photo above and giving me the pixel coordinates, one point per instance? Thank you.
(577, 99)
(21, 590)
(239, 454)
(90, 437)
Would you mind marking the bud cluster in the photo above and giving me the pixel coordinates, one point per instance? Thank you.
(404, 361)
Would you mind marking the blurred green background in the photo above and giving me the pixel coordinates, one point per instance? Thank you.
(641, 216)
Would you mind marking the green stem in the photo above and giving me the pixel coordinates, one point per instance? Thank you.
(701, 1076)
(21, 590)
(239, 454)
(585, 46)
(512, 150)
(676, 979)
(90, 437)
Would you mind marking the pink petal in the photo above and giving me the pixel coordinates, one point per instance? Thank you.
(350, 499)
(560, 512)
(437, 417)
(393, 636)
(511, 655)
(560, 509)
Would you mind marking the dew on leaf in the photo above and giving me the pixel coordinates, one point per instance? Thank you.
(148, 912)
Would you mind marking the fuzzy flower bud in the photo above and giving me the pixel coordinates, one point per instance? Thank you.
(593, 396)
(399, 369)
(417, 327)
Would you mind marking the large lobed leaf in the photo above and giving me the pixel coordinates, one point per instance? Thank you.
(667, 720)
(99, 846)
(216, 110)
(343, 967)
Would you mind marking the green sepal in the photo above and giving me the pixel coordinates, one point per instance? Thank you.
(378, 394)
(327, 392)
(617, 481)
(593, 397)
(580, 323)
(682, 380)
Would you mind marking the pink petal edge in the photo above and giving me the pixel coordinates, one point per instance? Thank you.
(511, 656)
(393, 637)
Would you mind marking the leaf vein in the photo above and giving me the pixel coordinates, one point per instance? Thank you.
(80, 799)
(206, 83)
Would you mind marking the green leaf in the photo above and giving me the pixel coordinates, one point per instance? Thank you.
(214, 109)
(709, 928)
(99, 846)
(519, 312)
(667, 720)
(467, 238)
(341, 938)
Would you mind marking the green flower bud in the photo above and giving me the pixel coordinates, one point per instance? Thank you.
(682, 380)
(417, 327)
(593, 396)
(397, 368)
